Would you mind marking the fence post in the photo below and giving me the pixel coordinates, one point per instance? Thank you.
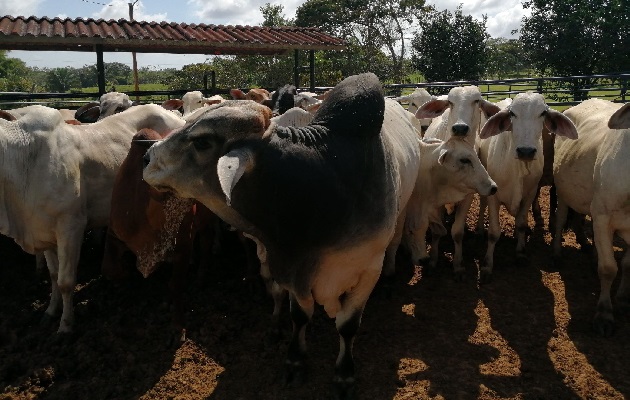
(205, 84)
(539, 89)
(624, 88)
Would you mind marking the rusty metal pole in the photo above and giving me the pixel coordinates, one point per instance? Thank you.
(136, 86)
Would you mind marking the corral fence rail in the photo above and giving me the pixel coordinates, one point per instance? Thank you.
(559, 91)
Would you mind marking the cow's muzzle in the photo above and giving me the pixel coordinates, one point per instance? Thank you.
(460, 129)
(525, 153)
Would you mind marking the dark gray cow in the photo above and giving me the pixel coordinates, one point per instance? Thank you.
(321, 201)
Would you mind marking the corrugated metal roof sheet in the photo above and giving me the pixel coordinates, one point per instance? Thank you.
(33, 33)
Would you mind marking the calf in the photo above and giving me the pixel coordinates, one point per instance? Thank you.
(448, 172)
(515, 161)
(590, 174)
(322, 201)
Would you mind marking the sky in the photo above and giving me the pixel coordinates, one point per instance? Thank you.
(503, 17)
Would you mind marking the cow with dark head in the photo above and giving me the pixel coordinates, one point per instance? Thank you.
(321, 201)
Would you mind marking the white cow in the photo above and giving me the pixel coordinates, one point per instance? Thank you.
(295, 117)
(458, 115)
(448, 172)
(191, 101)
(416, 99)
(112, 103)
(57, 180)
(591, 177)
(515, 161)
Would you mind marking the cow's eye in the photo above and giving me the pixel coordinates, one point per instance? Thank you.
(465, 161)
(512, 115)
(202, 143)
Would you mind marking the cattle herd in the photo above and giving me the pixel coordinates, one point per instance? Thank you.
(322, 190)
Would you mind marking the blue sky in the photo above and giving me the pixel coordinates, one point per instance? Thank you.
(503, 17)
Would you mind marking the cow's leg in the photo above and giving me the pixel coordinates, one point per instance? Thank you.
(301, 313)
(347, 321)
(68, 251)
(418, 243)
(520, 222)
(389, 263)
(494, 233)
(623, 292)
(539, 222)
(607, 270)
(481, 219)
(457, 233)
(277, 294)
(437, 231)
(560, 221)
(40, 262)
(52, 262)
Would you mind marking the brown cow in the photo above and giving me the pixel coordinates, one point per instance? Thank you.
(152, 226)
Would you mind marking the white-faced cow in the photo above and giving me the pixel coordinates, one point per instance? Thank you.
(515, 161)
(460, 116)
(322, 201)
(591, 177)
(57, 182)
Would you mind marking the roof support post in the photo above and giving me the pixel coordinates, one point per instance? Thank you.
(100, 68)
(311, 64)
(296, 68)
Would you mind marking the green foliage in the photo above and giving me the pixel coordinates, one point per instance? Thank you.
(13, 74)
(506, 58)
(451, 47)
(577, 37)
(118, 73)
(190, 77)
(372, 27)
(62, 79)
(273, 15)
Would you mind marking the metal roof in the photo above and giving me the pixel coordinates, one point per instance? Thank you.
(33, 33)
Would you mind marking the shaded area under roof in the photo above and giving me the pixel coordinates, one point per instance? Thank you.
(46, 34)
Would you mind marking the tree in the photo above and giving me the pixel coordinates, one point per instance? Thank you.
(451, 47)
(506, 58)
(118, 73)
(273, 15)
(577, 37)
(62, 79)
(14, 74)
(371, 27)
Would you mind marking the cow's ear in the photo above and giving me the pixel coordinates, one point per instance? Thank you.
(442, 156)
(231, 168)
(498, 123)
(88, 114)
(237, 94)
(7, 116)
(488, 108)
(432, 109)
(173, 104)
(621, 118)
(560, 124)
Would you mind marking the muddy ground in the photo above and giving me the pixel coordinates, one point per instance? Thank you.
(526, 335)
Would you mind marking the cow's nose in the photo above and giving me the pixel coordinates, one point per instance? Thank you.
(525, 153)
(146, 159)
(460, 129)
(493, 189)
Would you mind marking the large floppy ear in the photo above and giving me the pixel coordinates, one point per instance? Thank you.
(7, 116)
(498, 123)
(173, 104)
(432, 109)
(88, 113)
(231, 168)
(237, 94)
(560, 124)
(621, 118)
(489, 108)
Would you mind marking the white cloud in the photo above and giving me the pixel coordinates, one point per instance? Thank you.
(118, 9)
(238, 12)
(16, 8)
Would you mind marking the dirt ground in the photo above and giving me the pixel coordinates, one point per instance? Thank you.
(526, 335)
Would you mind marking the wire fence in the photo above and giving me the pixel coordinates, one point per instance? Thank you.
(559, 91)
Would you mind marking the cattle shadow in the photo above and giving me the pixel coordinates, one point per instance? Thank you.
(119, 347)
(607, 358)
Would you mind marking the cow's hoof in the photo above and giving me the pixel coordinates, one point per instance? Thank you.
(485, 276)
(604, 324)
(344, 389)
(294, 373)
